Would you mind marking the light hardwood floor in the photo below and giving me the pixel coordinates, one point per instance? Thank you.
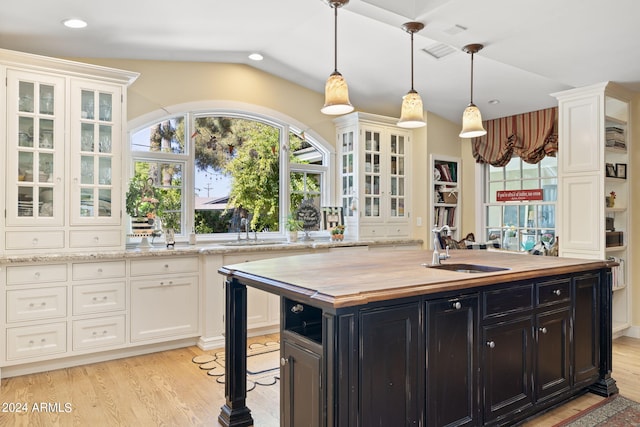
(167, 389)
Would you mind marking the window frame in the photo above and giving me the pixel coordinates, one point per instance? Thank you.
(483, 171)
(190, 112)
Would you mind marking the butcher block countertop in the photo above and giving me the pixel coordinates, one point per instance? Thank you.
(339, 280)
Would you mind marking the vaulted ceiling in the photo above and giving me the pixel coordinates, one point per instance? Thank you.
(531, 49)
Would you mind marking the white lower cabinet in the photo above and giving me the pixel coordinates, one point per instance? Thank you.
(98, 333)
(164, 307)
(164, 304)
(29, 342)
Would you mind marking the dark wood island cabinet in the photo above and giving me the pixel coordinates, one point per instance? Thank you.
(380, 339)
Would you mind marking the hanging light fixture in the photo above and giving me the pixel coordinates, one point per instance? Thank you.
(471, 118)
(336, 92)
(412, 113)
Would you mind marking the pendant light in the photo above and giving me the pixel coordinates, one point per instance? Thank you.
(336, 92)
(412, 113)
(471, 118)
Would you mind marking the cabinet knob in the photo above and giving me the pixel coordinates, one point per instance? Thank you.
(99, 270)
(543, 330)
(557, 292)
(284, 361)
(457, 305)
(491, 344)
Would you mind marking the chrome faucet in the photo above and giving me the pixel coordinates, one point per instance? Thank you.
(437, 247)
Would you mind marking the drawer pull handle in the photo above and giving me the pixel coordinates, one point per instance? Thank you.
(96, 239)
(166, 266)
(491, 344)
(35, 242)
(37, 274)
(104, 298)
(31, 342)
(457, 305)
(557, 292)
(284, 361)
(100, 270)
(543, 330)
(298, 308)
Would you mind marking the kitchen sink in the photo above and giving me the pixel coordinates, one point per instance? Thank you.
(468, 268)
(253, 242)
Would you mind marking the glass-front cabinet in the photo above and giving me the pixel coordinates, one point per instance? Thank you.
(373, 170)
(62, 127)
(35, 154)
(95, 144)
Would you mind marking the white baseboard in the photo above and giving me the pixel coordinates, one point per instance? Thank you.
(67, 362)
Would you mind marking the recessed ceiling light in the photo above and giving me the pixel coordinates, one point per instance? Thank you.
(494, 101)
(74, 23)
(256, 57)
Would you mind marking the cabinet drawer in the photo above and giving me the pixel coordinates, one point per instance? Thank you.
(553, 292)
(161, 266)
(99, 298)
(34, 239)
(102, 332)
(32, 304)
(372, 231)
(508, 300)
(92, 238)
(20, 275)
(397, 230)
(34, 341)
(98, 270)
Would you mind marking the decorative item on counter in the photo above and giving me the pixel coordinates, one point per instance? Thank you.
(169, 237)
(293, 226)
(142, 202)
(337, 233)
(611, 199)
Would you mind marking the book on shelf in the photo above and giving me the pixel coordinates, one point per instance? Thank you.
(618, 279)
(445, 216)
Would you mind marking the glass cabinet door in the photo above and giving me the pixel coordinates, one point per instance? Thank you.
(347, 154)
(95, 134)
(35, 138)
(372, 175)
(397, 176)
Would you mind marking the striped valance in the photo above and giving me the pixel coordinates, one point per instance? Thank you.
(530, 136)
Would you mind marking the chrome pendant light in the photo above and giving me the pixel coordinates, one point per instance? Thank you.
(412, 113)
(471, 118)
(336, 92)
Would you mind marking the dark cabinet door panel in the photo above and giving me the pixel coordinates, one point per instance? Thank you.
(507, 367)
(301, 386)
(452, 362)
(586, 329)
(552, 361)
(390, 373)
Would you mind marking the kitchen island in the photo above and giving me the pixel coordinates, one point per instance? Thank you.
(489, 338)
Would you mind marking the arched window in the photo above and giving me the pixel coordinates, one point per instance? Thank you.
(229, 173)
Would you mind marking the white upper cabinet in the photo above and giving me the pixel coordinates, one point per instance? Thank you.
(65, 126)
(373, 171)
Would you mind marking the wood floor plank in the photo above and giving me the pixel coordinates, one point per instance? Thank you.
(168, 389)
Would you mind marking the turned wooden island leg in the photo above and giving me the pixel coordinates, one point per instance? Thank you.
(234, 413)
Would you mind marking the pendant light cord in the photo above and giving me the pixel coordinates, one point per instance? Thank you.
(412, 90)
(471, 97)
(335, 38)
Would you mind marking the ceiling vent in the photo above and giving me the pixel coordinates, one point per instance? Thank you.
(439, 50)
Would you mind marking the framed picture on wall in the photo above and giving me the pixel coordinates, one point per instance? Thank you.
(611, 170)
(621, 170)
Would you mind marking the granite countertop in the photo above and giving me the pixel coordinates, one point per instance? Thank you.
(206, 248)
(336, 280)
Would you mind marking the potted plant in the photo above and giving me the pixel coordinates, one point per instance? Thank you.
(293, 225)
(142, 202)
(337, 233)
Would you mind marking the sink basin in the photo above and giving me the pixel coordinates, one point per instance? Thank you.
(468, 268)
(253, 243)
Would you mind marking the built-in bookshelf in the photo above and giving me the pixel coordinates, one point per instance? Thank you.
(445, 193)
